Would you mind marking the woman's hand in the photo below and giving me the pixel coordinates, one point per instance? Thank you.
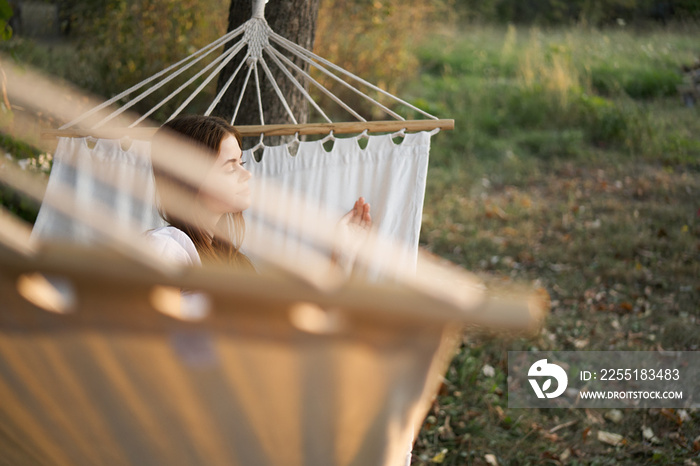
(359, 216)
(351, 233)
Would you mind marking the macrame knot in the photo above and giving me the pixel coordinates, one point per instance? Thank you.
(257, 36)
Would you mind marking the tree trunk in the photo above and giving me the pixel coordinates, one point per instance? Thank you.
(292, 19)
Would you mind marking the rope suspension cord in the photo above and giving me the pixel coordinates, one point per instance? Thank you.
(262, 44)
(195, 57)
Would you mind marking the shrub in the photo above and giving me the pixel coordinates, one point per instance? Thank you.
(639, 83)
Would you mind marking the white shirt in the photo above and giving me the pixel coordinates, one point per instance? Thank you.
(174, 245)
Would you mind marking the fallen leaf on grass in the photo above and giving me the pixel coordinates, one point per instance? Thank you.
(492, 211)
(581, 343)
(649, 435)
(696, 443)
(585, 433)
(440, 457)
(594, 417)
(626, 306)
(563, 426)
(565, 455)
(610, 438)
(671, 414)
(499, 411)
(550, 456)
(488, 370)
(491, 459)
(614, 415)
(445, 430)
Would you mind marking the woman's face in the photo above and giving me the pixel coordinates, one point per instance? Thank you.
(228, 173)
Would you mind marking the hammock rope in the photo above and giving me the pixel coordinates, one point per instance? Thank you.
(204, 51)
(262, 44)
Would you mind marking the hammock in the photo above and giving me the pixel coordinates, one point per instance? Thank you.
(316, 372)
(390, 176)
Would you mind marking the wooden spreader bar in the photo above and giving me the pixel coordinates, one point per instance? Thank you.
(146, 133)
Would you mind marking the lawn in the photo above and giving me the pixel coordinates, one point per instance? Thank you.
(573, 166)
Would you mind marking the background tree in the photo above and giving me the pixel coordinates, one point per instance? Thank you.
(293, 19)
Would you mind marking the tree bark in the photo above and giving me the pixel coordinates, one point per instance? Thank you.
(292, 19)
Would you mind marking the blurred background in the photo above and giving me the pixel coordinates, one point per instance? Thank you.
(574, 164)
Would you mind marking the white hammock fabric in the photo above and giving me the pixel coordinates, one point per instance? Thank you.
(390, 176)
(313, 183)
(101, 177)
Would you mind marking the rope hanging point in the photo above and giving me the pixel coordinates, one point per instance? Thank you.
(257, 36)
(259, 8)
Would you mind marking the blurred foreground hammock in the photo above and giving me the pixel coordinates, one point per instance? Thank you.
(295, 366)
(287, 368)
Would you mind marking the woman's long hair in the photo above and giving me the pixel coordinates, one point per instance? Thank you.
(207, 132)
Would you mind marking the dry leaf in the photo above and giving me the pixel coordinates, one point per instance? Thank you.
(581, 343)
(585, 433)
(495, 211)
(563, 426)
(683, 415)
(488, 370)
(500, 412)
(696, 443)
(610, 438)
(648, 434)
(440, 457)
(550, 456)
(626, 306)
(445, 430)
(491, 459)
(565, 455)
(614, 415)
(594, 417)
(671, 414)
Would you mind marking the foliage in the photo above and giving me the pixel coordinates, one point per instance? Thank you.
(548, 94)
(28, 158)
(374, 39)
(5, 15)
(115, 44)
(567, 12)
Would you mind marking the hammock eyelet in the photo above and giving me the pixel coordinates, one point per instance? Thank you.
(399, 134)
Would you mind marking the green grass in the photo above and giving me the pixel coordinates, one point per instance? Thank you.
(580, 174)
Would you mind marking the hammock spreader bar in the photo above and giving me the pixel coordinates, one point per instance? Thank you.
(353, 127)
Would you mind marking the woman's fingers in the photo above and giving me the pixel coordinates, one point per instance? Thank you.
(359, 214)
(359, 208)
(366, 217)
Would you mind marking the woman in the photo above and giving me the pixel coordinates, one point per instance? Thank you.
(211, 227)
